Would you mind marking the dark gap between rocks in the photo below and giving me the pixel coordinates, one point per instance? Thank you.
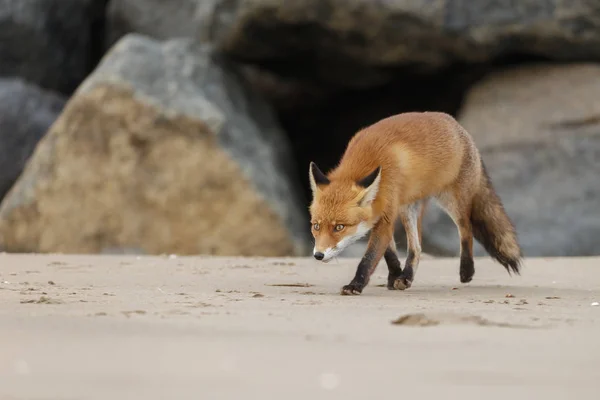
(97, 34)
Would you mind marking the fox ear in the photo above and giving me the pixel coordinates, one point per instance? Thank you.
(371, 185)
(316, 177)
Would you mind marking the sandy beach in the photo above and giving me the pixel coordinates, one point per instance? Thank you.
(128, 327)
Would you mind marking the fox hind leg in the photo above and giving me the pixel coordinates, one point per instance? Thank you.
(460, 213)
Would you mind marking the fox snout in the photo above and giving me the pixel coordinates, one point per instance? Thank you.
(327, 254)
(326, 247)
(322, 255)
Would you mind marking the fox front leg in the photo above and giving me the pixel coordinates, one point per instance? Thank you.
(410, 217)
(394, 266)
(378, 243)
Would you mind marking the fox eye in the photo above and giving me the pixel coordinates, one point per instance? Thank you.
(316, 226)
(339, 227)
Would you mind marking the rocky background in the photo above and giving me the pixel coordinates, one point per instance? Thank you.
(187, 126)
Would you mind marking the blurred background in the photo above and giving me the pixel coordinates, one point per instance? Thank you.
(187, 126)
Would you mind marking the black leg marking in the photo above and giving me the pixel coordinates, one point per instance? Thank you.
(362, 276)
(405, 280)
(394, 266)
(375, 250)
(457, 210)
(467, 265)
(410, 220)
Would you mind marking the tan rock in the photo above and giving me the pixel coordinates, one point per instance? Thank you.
(158, 156)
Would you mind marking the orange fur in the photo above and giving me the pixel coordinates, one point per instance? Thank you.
(421, 155)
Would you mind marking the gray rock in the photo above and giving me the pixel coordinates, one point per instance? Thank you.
(49, 42)
(26, 113)
(162, 149)
(538, 128)
(159, 19)
(363, 42)
(172, 19)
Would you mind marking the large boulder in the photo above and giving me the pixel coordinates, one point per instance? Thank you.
(26, 114)
(159, 19)
(49, 42)
(162, 149)
(362, 43)
(172, 19)
(538, 128)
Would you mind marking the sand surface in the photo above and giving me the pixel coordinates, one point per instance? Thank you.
(124, 327)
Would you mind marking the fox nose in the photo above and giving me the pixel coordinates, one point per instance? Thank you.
(319, 255)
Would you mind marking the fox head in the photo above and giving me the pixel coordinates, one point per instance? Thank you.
(341, 210)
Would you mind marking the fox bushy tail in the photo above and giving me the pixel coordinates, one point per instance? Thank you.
(493, 228)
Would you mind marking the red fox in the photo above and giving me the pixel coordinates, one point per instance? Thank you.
(389, 171)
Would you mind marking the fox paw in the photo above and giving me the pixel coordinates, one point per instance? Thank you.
(400, 283)
(351, 290)
(467, 271)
